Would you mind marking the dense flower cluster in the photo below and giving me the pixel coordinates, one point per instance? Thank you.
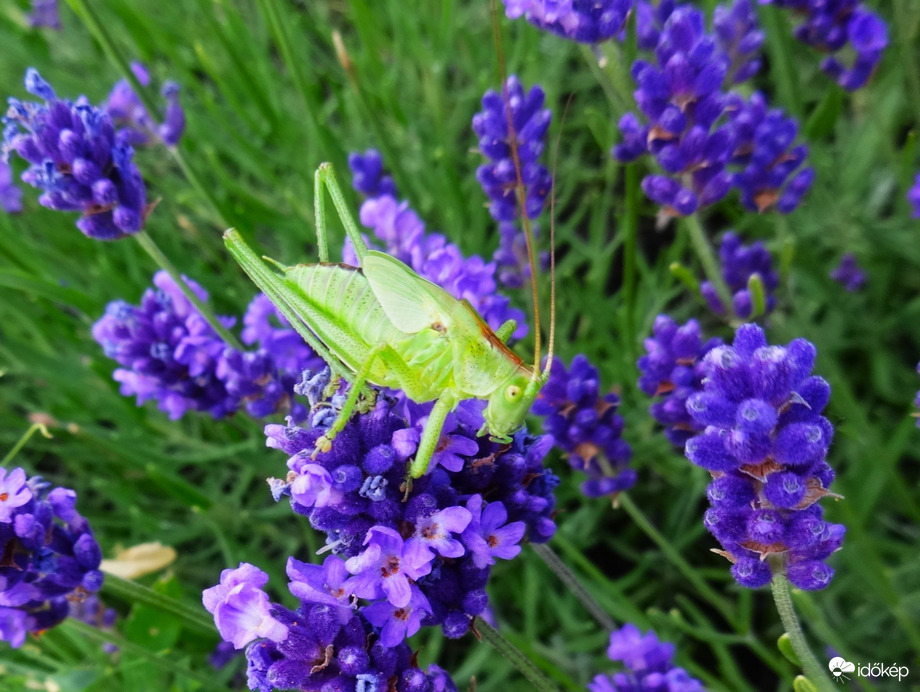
(429, 254)
(587, 21)
(849, 273)
(325, 644)
(739, 264)
(528, 120)
(672, 370)
(832, 25)
(913, 196)
(707, 140)
(419, 560)
(10, 195)
(585, 424)
(50, 557)
(648, 665)
(764, 442)
(45, 13)
(77, 159)
(170, 353)
(127, 112)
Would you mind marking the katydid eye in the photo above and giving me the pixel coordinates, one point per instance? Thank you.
(513, 392)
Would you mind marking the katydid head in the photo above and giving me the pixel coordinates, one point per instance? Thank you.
(508, 404)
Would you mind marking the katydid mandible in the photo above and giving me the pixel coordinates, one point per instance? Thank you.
(383, 324)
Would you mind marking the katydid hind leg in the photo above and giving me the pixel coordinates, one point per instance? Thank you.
(325, 176)
(431, 434)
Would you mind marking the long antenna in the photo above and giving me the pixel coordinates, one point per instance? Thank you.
(519, 188)
(552, 244)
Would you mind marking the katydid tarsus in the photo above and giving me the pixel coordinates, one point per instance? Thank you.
(383, 324)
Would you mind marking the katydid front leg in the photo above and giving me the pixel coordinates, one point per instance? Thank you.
(430, 437)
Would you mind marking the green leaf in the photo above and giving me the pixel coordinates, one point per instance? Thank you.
(803, 684)
(784, 644)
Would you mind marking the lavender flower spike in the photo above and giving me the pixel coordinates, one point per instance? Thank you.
(586, 21)
(77, 160)
(739, 264)
(913, 196)
(648, 665)
(765, 443)
(849, 273)
(50, 556)
(530, 121)
(740, 37)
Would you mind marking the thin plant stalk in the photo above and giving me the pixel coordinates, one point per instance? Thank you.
(814, 671)
(162, 260)
(570, 579)
(23, 441)
(707, 258)
(516, 657)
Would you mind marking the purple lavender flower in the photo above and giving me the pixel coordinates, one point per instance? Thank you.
(168, 351)
(913, 196)
(77, 159)
(849, 273)
(830, 25)
(587, 21)
(529, 121)
(241, 609)
(672, 370)
(10, 195)
(136, 125)
(764, 442)
(50, 556)
(45, 13)
(320, 645)
(586, 426)
(681, 98)
(367, 175)
(739, 264)
(648, 665)
(772, 169)
(740, 37)
(441, 541)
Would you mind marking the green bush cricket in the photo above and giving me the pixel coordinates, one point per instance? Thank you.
(385, 325)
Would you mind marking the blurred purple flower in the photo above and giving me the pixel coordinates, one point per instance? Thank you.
(849, 273)
(739, 264)
(10, 195)
(587, 21)
(45, 13)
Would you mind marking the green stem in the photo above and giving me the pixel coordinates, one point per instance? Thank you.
(707, 258)
(524, 665)
(163, 261)
(568, 577)
(75, 628)
(132, 592)
(98, 31)
(630, 252)
(813, 670)
(907, 47)
(24, 440)
(671, 553)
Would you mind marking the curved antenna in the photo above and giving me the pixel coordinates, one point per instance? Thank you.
(519, 189)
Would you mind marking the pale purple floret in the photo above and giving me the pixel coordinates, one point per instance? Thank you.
(586, 21)
(10, 195)
(240, 607)
(13, 493)
(313, 486)
(913, 196)
(849, 273)
(488, 536)
(435, 533)
(387, 564)
(398, 623)
(830, 25)
(765, 443)
(319, 583)
(77, 160)
(648, 665)
(450, 449)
